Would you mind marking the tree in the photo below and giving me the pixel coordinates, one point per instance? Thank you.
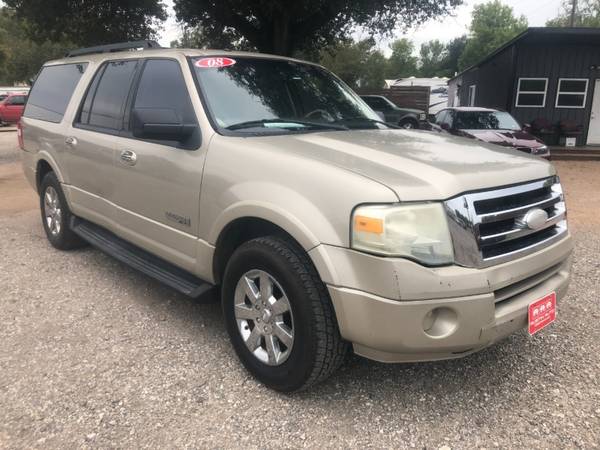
(492, 25)
(197, 38)
(21, 58)
(586, 15)
(454, 50)
(284, 27)
(87, 23)
(357, 63)
(433, 55)
(401, 63)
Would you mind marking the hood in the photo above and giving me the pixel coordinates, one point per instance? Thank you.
(409, 110)
(416, 165)
(505, 137)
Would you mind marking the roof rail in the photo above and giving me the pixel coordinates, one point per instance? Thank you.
(113, 48)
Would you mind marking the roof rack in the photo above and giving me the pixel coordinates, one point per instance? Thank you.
(113, 48)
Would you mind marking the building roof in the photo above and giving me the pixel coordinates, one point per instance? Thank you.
(559, 35)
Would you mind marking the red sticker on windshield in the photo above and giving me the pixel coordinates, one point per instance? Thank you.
(213, 63)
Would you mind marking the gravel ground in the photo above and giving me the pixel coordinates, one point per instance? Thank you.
(93, 354)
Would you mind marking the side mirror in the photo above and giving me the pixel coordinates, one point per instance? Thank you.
(445, 126)
(381, 115)
(527, 127)
(161, 124)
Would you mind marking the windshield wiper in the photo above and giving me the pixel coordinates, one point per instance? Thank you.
(263, 122)
(368, 120)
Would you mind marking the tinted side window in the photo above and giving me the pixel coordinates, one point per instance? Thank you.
(162, 86)
(440, 117)
(52, 91)
(105, 100)
(377, 103)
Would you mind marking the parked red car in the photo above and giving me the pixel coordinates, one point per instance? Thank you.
(11, 108)
(490, 125)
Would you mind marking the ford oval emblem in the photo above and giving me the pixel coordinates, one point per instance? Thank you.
(535, 219)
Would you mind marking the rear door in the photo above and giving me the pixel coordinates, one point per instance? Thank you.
(91, 141)
(157, 182)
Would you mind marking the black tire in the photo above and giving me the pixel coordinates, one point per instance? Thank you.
(408, 124)
(318, 349)
(63, 238)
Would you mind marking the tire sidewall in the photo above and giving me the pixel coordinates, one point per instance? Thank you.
(293, 372)
(50, 180)
(404, 122)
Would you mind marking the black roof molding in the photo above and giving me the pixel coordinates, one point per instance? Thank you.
(534, 31)
(146, 44)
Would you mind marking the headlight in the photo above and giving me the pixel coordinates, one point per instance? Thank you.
(422, 116)
(541, 149)
(418, 231)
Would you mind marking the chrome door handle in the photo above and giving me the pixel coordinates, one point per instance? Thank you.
(71, 141)
(128, 157)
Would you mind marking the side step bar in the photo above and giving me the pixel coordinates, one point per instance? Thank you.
(139, 259)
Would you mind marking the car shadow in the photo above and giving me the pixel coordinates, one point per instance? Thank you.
(481, 377)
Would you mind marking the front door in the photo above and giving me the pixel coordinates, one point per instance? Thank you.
(157, 182)
(594, 126)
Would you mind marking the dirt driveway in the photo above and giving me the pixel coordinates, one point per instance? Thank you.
(93, 354)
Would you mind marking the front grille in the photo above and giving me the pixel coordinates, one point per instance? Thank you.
(508, 292)
(491, 227)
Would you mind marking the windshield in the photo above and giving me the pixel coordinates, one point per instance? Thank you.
(486, 120)
(267, 95)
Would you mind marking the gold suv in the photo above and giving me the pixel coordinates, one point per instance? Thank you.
(325, 228)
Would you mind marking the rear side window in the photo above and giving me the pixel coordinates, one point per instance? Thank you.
(162, 86)
(105, 100)
(52, 91)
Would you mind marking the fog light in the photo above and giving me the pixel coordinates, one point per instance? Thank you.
(440, 322)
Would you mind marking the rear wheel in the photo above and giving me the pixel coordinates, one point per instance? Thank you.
(56, 215)
(279, 315)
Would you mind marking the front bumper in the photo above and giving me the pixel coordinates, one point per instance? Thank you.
(407, 312)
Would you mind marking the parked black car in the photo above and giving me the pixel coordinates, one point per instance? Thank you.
(489, 125)
(403, 117)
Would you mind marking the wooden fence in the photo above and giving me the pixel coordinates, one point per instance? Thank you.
(416, 97)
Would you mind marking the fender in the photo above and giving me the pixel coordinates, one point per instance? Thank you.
(271, 213)
(47, 157)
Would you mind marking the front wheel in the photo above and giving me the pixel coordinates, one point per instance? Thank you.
(279, 315)
(408, 124)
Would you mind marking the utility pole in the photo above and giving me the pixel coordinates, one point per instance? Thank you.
(573, 11)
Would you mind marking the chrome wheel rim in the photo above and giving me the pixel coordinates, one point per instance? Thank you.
(407, 126)
(264, 317)
(52, 211)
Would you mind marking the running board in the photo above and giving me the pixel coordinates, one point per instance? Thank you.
(139, 259)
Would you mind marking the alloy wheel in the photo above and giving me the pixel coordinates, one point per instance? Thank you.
(264, 317)
(52, 211)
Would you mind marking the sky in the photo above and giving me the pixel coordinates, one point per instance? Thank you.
(444, 29)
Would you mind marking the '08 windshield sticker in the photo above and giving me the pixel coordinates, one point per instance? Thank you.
(214, 62)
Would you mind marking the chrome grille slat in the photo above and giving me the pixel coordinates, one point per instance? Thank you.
(520, 232)
(515, 212)
(490, 227)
